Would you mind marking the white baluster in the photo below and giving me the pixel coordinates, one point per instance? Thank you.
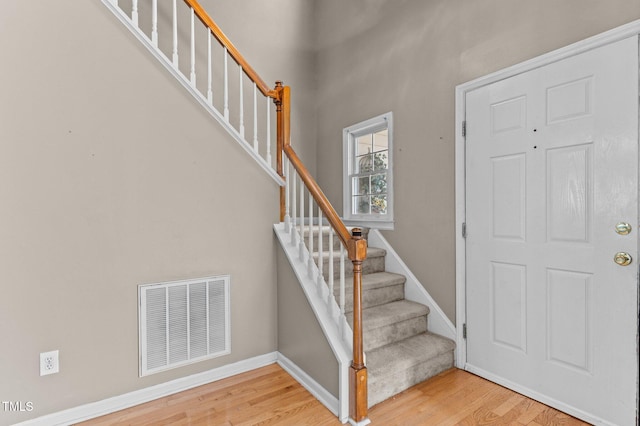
(226, 85)
(209, 81)
(134, 12)
(310, 245)
(255, 117)
(268, 130)
(154, 22)
(344, 324)
(320, 281)
(294, 207)
(193, 48)
(330, 297)
(342, 287)
(287, 188)
(301, 242)
(175, 34)
(241, 128)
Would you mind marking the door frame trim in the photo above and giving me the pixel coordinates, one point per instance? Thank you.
(625, 31)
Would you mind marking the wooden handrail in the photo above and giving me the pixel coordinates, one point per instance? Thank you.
(319, 197)
(314, 189)
(233, 51)
(356, 248)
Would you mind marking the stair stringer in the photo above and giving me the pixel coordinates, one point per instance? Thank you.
(335, 328)
(186, 83)
(438, 322)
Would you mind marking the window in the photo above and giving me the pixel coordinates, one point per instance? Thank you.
(367, 163)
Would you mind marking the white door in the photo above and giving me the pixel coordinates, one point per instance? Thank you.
(551, 169)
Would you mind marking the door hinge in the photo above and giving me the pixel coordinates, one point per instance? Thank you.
(464, 128)
(464, 331)
(464, 229)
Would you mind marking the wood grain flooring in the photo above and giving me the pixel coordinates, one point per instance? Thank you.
(269, 396)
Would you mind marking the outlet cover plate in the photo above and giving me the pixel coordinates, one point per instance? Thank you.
(49, 363)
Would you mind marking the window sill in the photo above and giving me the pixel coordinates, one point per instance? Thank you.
(386, 225)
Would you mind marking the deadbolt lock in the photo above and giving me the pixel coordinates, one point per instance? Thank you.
(623, 228)
(622, 258)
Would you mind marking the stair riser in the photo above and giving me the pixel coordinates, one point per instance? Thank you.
(383, 387)
(373, 297)
(393, 332)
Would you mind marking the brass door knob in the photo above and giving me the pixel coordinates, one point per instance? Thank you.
(622, 258)
(623, 228)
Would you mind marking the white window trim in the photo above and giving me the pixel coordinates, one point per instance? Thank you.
(348, 135)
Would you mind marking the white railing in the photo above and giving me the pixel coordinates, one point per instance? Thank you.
(304, 222)
(174, 31)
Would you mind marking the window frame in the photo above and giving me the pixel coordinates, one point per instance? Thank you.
(349, 136)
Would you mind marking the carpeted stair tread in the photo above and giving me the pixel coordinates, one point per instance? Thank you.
(398, 366)
(374, 281)
(392, 322)
(375, 252)
(377, 288)
(373, 263)
(390, 313)
(406, 353)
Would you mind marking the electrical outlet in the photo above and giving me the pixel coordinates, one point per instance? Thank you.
(49, 363)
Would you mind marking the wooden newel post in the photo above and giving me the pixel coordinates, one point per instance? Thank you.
(358, 372)
(280, 134)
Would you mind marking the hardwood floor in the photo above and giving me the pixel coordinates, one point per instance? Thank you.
(269, 396)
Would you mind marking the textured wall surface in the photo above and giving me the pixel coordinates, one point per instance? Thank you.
(407, 56)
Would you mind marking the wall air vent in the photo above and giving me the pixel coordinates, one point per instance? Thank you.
(183, 322)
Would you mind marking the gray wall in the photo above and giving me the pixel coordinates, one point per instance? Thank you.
(300, 337)
(407, 56)
(112, 176)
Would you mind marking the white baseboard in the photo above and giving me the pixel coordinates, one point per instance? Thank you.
(117, 403)
(364, 422)
(315, 388)
(339, 345)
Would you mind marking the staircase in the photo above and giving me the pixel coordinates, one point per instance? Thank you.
(392, 330)
(400, 351)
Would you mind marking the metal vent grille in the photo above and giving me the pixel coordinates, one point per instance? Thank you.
(183, 322)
